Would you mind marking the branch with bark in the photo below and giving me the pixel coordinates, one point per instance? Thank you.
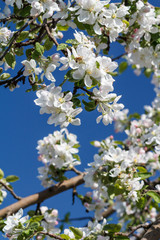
(43, 195)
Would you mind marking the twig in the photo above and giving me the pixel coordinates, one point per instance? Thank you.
(53, 39)
(13, 17)
(76, 171)
(15, 36)
(12, 80)
(10, 190)
(52, 235)
(82, 88)
(77, 219)
(118, 57)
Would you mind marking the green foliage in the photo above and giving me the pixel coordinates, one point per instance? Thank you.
(62, 46)
(112, 228)
(1, 173)
(62, 28)
(10, 59)
(48, 44)
(23, 35)
(122, 67)
(154, 195)
(77, 233)
(90, 106)
(12, 178)
(148, 72)
(143, 175)
(4, 76)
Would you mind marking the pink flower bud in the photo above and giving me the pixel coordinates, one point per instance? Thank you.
(111, 137)
(88, 194)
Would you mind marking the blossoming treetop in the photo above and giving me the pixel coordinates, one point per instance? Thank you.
(120, 175)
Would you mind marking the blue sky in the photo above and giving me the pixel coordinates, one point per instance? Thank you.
(21, 126)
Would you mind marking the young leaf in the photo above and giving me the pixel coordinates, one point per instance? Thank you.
(62, 46)
(10, 59)
(4, 76)
(12, 178)
(77, 233)
(122, 67)
(23, 35)
(112, 227)
(1, 173)
(154, 195)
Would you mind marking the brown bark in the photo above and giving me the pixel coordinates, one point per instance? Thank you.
(153, 233)
(41, 196)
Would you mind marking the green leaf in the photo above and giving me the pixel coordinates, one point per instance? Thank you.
(72, 41)
(143, 175)
(142, 169)
(18, 51)
(89, 106)
(25, 12)
(122, 67)
(10, 59)
(76, 145)
(64, 236)
(39, 48)
(154, 195)
(126, 22)
(29, 53)
(31, 213)
(66, 217)
(34, 225)
(2, 224)
(77, 233)
(76, 102)
(23, 35)
(141, 202)
(62, 28)
(97, 64)
(12, 178)
(112, 227)
(120, 237)
(48, 44)
(1, 173)
(76, 156)
(4, 76)
(20, 24)
(62, 46)
(36, 218)
(134, 115)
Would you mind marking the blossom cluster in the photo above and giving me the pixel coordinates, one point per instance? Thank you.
(57, 151)
(119, 169)
(11, 228)
(142, 46)
(59, 105)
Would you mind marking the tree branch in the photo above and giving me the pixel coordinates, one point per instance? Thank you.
(10, 190)
(153, 232)
(43, 195)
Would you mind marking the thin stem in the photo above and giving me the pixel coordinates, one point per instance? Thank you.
(15, 36)
(76, 171)
(53, 39)
(10, 190)
(52, 235)
(118, 57)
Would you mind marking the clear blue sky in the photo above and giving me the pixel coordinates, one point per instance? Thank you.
(21, 126)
